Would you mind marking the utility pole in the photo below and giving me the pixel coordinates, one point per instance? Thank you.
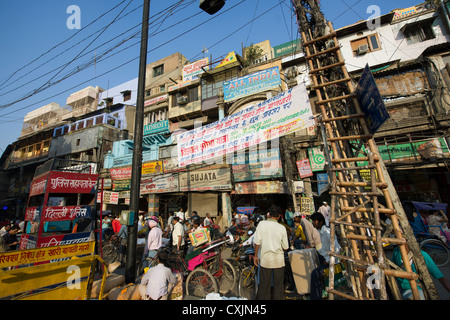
(130, 266)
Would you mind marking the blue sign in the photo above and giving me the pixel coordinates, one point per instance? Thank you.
(156, 127)
(245, 210)
(372, 103)
(253, 83)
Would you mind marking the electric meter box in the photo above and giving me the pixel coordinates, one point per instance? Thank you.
(126, 218)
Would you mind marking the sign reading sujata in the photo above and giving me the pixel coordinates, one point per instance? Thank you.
(285, 113)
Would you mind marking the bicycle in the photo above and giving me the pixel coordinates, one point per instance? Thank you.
(110, 249)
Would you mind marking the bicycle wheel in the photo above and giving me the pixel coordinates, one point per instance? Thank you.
(248, 286)
(437, 250)
(110, 253)
(227, 280)
(200, 282)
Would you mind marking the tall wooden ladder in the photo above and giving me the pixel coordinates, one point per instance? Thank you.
(355, 202)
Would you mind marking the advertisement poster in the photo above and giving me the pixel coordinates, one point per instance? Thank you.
(194, 70)
(304, 168)
(261, 187)
(282, 114)
(253, 83)
(257, 165)
(160, 184)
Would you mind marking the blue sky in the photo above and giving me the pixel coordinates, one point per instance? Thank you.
(37, 44)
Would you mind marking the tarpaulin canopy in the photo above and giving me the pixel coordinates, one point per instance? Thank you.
(429, 205)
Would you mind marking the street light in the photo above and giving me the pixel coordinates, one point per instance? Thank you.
(211, 6)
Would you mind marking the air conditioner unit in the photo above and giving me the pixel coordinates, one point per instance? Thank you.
(182, 100)
(363, 49)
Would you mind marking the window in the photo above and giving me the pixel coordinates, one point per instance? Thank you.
(419, 32)
(158, 70)
(193, 94)
(162, 88)
(365, 45)
(126, 95)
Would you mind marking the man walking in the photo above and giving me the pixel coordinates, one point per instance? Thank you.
(325, 211)
(270, 242)
(177, 234)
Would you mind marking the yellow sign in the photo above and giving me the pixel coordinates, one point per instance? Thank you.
(64, 280)
(152, 167)
(21, 257)
(230, 58)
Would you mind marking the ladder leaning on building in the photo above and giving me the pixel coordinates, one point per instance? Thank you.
(355, 211)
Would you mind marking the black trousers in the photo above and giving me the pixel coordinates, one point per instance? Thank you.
(266, 276)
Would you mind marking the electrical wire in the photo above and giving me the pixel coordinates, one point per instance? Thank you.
(61, 43)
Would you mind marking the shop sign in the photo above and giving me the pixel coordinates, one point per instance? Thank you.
(109, 197)
(120, 173)
(283, 114)
(316, 159)
(261, 187)
(203, 180)
(290, 47)
(253, 83)
(433, 148)
(153, 167)
(38, 185)
(155, 100)
(322, 183)
(58, 240)
(304, 168)
(68, 182)
(194, 70)
(65, 213)
(156, 127)
(159, 184)
(119, 185)
(371, 101)
(16, 258)
(258, 165)
(306, 205)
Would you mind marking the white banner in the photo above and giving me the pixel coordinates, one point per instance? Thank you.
(285, 113)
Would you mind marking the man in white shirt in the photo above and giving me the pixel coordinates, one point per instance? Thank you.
(270, 242)
(177, 234)
(158, 282)
(180, 214)
(325, 211)
(207, 221)
(318, 221)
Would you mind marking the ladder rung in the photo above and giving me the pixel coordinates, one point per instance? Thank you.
(337, 64)
(380, 210)
(367, 238)
(346, 117)
(325, 37)
(364, 194)
(353, 159)
(335, 48)
(394, 273)
(354, 168)
(343, 295)
(363, 136)
(331, 83)
(343, 97)
(362, 184)
(356, 225)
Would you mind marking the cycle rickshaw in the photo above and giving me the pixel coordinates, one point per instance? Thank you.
(428, 242)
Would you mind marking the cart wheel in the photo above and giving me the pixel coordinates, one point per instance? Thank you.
(248, 287)
(228, 279)
(200, 282)
(437, 250)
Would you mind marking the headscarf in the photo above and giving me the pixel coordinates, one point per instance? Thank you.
(152, 223)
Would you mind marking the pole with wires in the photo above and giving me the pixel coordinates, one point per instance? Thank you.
(130, 266)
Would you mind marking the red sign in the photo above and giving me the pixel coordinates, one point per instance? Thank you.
(120, 173)
(65, 213)
(31, 213)
(304, 168)
(68, 182)
(38, 186)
